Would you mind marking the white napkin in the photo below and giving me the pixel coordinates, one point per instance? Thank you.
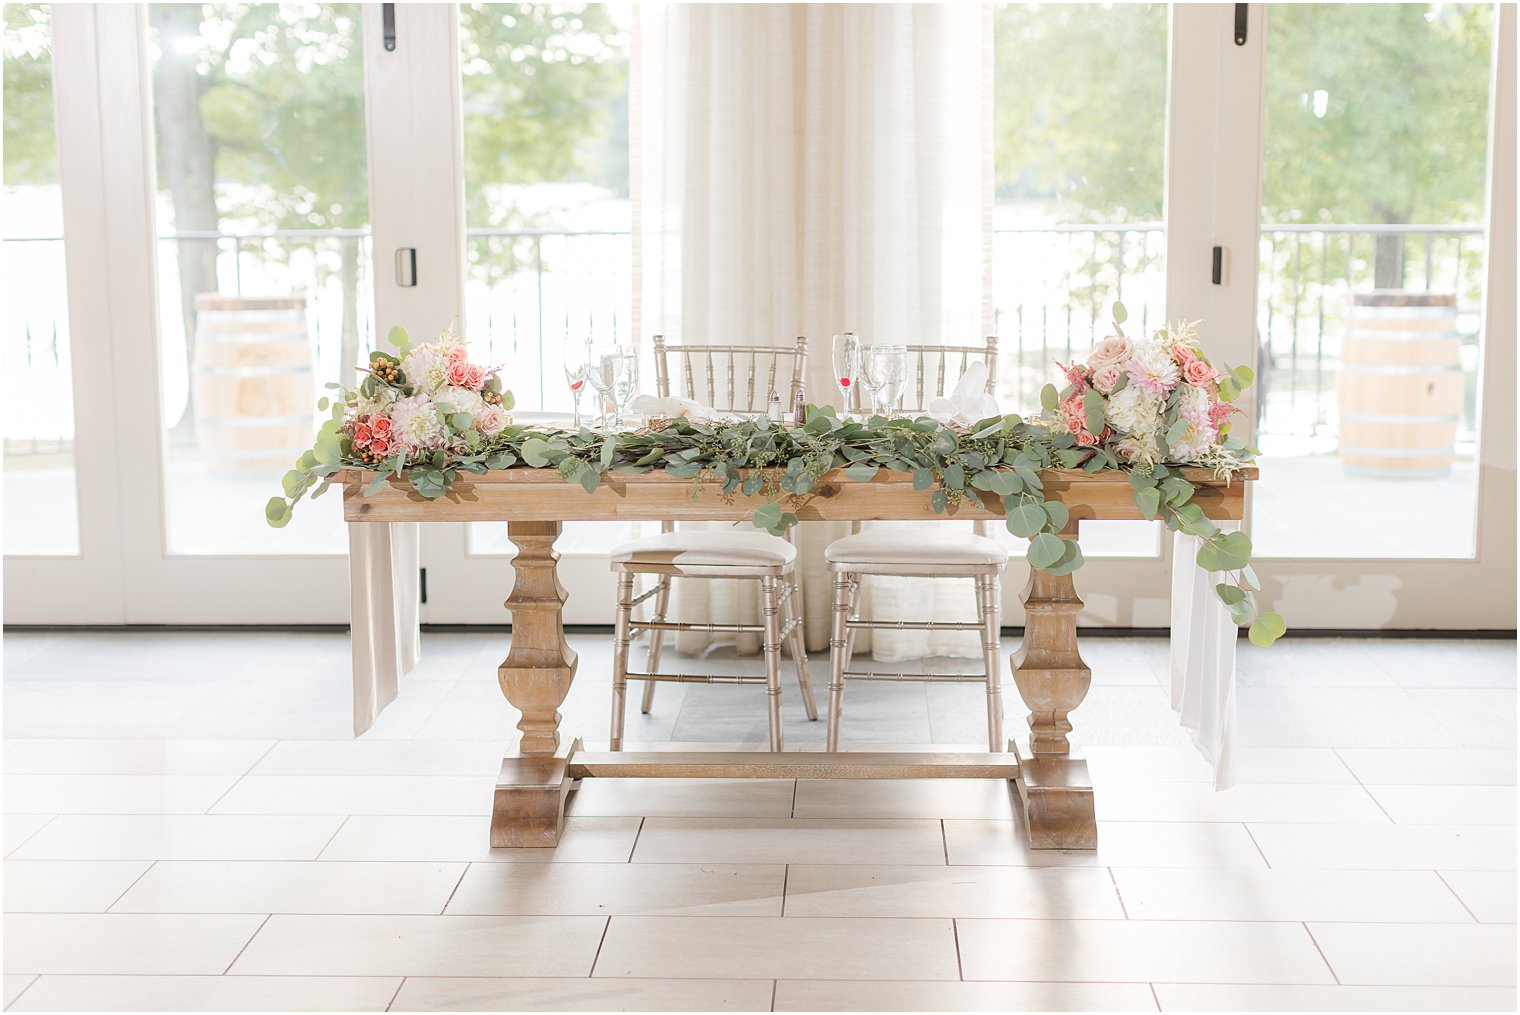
(649, 405)
(969, 401)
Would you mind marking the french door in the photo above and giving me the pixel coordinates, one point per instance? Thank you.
(228, 202)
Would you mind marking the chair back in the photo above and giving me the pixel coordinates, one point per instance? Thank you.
(731, 378)
(934, 369)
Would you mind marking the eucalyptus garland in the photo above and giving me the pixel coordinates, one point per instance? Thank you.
(1001, 456)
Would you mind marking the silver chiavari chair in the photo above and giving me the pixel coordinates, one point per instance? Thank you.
(932, 553)
(728, 378)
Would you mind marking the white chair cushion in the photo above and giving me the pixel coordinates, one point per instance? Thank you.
(708, 549)
(921, 547)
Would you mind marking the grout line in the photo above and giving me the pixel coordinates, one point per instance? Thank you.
(34, 835)
(224, 793)
(22, 993)
(600, 941)
(774, 984)
(396, 994)
(1155, 996)
(257, 761)
(955, 932)
(1259, 850)
(455, 889)
(786, 877)
(331, 837)
(636, 833)
(1346, 765)
(1321, 951)
(262, 925)
(796, 784)
(1118, 894)
(944, 841)
(133, 885)
(1453, 891)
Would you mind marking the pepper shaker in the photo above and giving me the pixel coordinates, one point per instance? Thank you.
(799, 412)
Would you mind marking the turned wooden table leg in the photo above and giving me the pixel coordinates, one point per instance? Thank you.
(1052, 679)
(529, 807)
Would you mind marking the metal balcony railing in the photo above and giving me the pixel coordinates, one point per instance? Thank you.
(527, 290)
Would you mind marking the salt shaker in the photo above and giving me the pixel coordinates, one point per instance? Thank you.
(773, 410)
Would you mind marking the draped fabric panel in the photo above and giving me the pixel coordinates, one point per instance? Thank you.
(811, 169)
(1203, 658)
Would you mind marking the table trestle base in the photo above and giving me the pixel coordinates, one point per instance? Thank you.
(792, 765)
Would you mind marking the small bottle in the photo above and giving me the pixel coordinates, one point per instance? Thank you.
(799, 413)
(773, 410)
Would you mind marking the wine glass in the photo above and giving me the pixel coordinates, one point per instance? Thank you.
(577, 370)
(625, 382)
(847, 367)
(883, 371)
(600, 374)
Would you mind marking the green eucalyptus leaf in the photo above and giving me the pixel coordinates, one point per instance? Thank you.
(1046, 550)
(1058, 514)
(1027, 519)
(862, 472)
(397, 336)
(1149, 502)
(1050, 398)
(1267, 628)
(1229, 594)
(1120, 314)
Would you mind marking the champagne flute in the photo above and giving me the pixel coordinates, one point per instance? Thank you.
(882, 372)
(846, 367)
(625, 382)
(601, 383)
(577, 371)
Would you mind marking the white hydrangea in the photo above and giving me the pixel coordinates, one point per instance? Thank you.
(414, 424)
(452, 400)
(1133, 411)
(377, 404)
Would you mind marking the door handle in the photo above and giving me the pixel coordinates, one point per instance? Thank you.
(406, 267)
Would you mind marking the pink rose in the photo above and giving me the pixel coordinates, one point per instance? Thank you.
(1196, 371)
(380, 445)
(1086, 440)
(380, 424)
(1111, 352)
(1105, 379)
(467, 375)
(362, 435)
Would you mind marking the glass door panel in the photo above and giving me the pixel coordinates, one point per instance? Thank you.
(1080, 140)
(544, 92)
(41, 497)
(264, 258)
(1372, 255)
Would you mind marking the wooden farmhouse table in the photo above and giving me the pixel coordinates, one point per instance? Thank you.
(529, 806)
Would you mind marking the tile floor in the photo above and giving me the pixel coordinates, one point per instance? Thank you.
(190, 827)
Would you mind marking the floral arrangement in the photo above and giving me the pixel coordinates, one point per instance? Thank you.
(1145, 407)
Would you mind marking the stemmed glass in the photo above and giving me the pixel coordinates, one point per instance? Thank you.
(600, 374)
(577, 370)
(883, 372)
(846, 367)
(614, 377)
(625, 382)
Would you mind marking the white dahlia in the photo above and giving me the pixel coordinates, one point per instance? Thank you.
(414, 424)
(427, 366)
(1151, 369)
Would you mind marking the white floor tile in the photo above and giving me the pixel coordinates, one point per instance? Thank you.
(1337, 717)
(905, 995)
(638, 889)
(1314, 765)
(1387, 847)
(359, 794)
(209, 993)
(15, 983)
(1432, 767)
(180, 837)
(1440, 662)
(1474, 718)
(130, 943)
(1384, 954)
(445, 837)
(114, 794)
(382, 757)
(1489, 894)
(1035, 893)
(789, 840)
(905, 798)
(1201, 802)
(21, 827)
(1151, 893)
(771, 947)
(1122, 843)
(710, 798)
(423, 946)
(1134, 950)
(68, 886)
(1447, 805)
(291, 886)
(135, 757)
(1280, 998)
(422, 993)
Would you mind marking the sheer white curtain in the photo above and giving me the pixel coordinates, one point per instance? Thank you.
(806, 170)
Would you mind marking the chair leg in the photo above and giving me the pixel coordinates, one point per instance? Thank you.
(656, 641)
(620, 659)
(799, 652)
(838, 638)
(771, 614)
(851, 610)
(987, 613)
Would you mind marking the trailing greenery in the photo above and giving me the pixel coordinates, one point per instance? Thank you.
(995, 465)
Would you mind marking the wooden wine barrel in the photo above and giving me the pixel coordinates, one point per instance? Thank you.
(252, 381)
(1400, 386)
